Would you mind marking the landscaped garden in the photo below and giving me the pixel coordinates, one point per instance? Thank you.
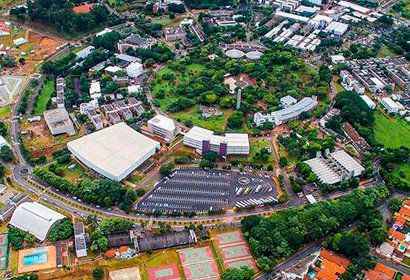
(260, 154)
(193, 90)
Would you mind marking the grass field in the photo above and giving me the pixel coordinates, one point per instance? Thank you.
(256, 146)
(393, 132)
(44, 96)
(385, 51)
(403, 168)
(5, 112)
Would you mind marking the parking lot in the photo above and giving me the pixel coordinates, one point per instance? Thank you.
(193, 189)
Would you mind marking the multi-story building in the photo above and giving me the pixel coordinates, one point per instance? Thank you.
(287, 114)
(59, 122)
(163, 127)
(391, 106)
(80, 240)
(350, 83)
(204, 140)
(95, 119)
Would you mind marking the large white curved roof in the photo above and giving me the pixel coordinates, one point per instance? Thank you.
(255, 55)
(35, 219)
(234, 53)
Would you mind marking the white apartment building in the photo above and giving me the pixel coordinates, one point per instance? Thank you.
(391, 106)
(204, 140)
(163, 127)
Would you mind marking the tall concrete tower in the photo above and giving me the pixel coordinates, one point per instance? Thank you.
(238, 99)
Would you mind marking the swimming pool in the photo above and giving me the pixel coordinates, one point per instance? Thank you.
(39, 249)
(35, 259)
(402, 248)
(312, 274)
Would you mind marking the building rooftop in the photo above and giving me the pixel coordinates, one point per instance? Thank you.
(35, 218)
(86, 8)
(163, 122)
(114, 151)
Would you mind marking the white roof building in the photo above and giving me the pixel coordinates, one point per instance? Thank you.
(114, 152)
(134, 89)
(390, 105)
(95, 90)
(368, 101)
(35, 219)
(205, 140)
(354, 7)
(135, 69)
(337, 28)
(103, 32)
(320, 21)
(58, 121)
(337, 59)
(287, 101)
(85, 52)
(338, 166)
(112, 69)
(163, 127)
(288, 114)
(19, 41)
(3, 142)
(292, 16)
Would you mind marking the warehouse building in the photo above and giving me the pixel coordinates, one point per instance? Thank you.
(287, 114)
(80, 238)
(114, 152)
(204, 140)
(391, 106)
(59, 122)
(335, 167)
(368, 101)
(35, 218)
(163, 127)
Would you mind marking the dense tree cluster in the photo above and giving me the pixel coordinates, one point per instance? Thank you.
(102, 192)
(60, 15)
(107, 41)
(285, 232)
(62, 230)
(243, 273)
(99, 241)
(166, 169)
(17, 237)
(355, 111)
(6, 154)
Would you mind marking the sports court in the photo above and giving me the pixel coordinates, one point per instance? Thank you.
(164, 272)
(195, 255)
(229, 238)
(234, 250)
(198, 263)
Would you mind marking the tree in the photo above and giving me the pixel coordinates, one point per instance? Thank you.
(30, 276)
(17, 237)
(394, 204)
(243, 273)
(6, 154)
(98, 241)
(62, 231)
(235, 120)
(378, 235)
(98, 273)
(166, 169)
(107, 41)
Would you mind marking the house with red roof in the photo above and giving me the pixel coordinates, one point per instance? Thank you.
(83, 9)
(4, 29)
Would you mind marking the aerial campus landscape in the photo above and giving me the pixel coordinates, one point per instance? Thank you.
(205, 139)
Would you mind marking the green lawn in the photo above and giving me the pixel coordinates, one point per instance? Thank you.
(393, 132)
(256, 146)
(44, 96)
(5, 112)
(339, 87)
(403, 168)
(385, 51)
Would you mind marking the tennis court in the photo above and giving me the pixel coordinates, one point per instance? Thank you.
(229, 238)
(205, 270)
(195, 255)
(235, 252)
(238, 264)
(164, 272)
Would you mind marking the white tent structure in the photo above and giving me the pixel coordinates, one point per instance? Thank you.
(35, 219)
